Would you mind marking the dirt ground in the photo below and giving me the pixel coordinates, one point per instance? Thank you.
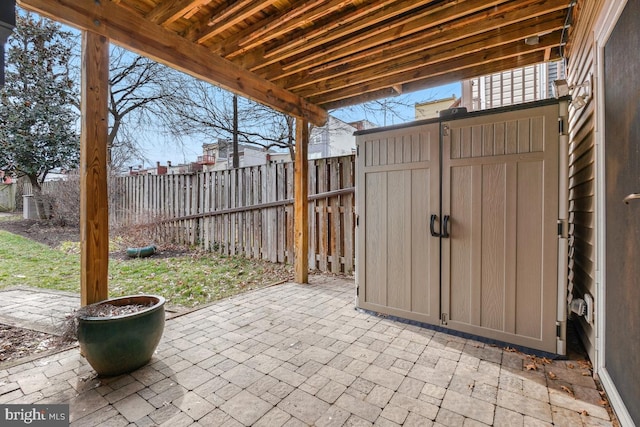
(44, 232)
(51, 234)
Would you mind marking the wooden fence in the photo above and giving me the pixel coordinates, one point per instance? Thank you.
(7, 197)
(247, 211)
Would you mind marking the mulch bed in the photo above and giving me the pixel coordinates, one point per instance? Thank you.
(17, 343)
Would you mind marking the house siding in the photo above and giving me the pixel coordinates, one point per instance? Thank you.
(582, 167)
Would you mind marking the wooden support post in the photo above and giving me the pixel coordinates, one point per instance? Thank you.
(300, 203)
(94, 213)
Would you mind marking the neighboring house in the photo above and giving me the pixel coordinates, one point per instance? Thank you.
(363, 125)
(192, 167)
(335, 138)
(219, 155)
(431, 109)
(511, 87)
(167, 169)
(141, 170)
(279, 157)
(57, 174)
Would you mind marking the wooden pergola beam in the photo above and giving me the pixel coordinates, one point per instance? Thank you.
(164, 46)
(94, 208)
(301, 204)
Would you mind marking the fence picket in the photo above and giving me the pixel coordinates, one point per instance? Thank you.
(313, 216)
(247, 211)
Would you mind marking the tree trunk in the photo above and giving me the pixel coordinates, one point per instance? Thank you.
(291, 138)
(43, 207)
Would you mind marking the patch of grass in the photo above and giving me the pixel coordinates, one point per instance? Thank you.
(25, 262)
(185, 281)
(10, 217)
(192, 280)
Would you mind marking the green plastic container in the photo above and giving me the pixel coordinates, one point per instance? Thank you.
(120, 344)
(142, 252)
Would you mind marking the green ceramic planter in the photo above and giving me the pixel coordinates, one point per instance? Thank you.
(120, 344)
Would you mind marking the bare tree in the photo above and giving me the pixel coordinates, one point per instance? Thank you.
(141, 94)
(207, 111)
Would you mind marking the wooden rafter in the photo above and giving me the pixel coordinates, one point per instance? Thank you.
(391, 21)
(440, 79)
(223, 19)
(380, 65)
(274, 26)
(411, 73)
(166, 47)
(330, 30)
(416, 35)
(169, 11)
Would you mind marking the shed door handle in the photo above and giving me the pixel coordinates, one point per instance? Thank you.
(630, 197)
(445, 226)
(432, 226)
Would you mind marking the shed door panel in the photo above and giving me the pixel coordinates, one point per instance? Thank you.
(500, 189)
(397, 192)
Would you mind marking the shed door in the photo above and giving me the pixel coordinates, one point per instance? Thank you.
(500, 191)
(495, 177)
(398, 261)
(622, 178)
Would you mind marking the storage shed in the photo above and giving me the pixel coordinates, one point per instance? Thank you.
(462, 223)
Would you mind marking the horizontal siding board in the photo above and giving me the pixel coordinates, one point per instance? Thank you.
(582, 165)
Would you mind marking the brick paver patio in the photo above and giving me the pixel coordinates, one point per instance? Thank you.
(301, 355)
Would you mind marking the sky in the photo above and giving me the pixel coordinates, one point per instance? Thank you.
(160, 149)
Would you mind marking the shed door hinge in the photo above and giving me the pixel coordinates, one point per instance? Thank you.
(357, 150)
(563, 230)
(560, 126)
(558, 330)
(443, 318)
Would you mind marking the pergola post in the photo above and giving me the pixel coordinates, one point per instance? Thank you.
(94, 213)
(301, 203)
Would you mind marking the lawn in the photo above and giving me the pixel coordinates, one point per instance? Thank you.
(185, 281)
